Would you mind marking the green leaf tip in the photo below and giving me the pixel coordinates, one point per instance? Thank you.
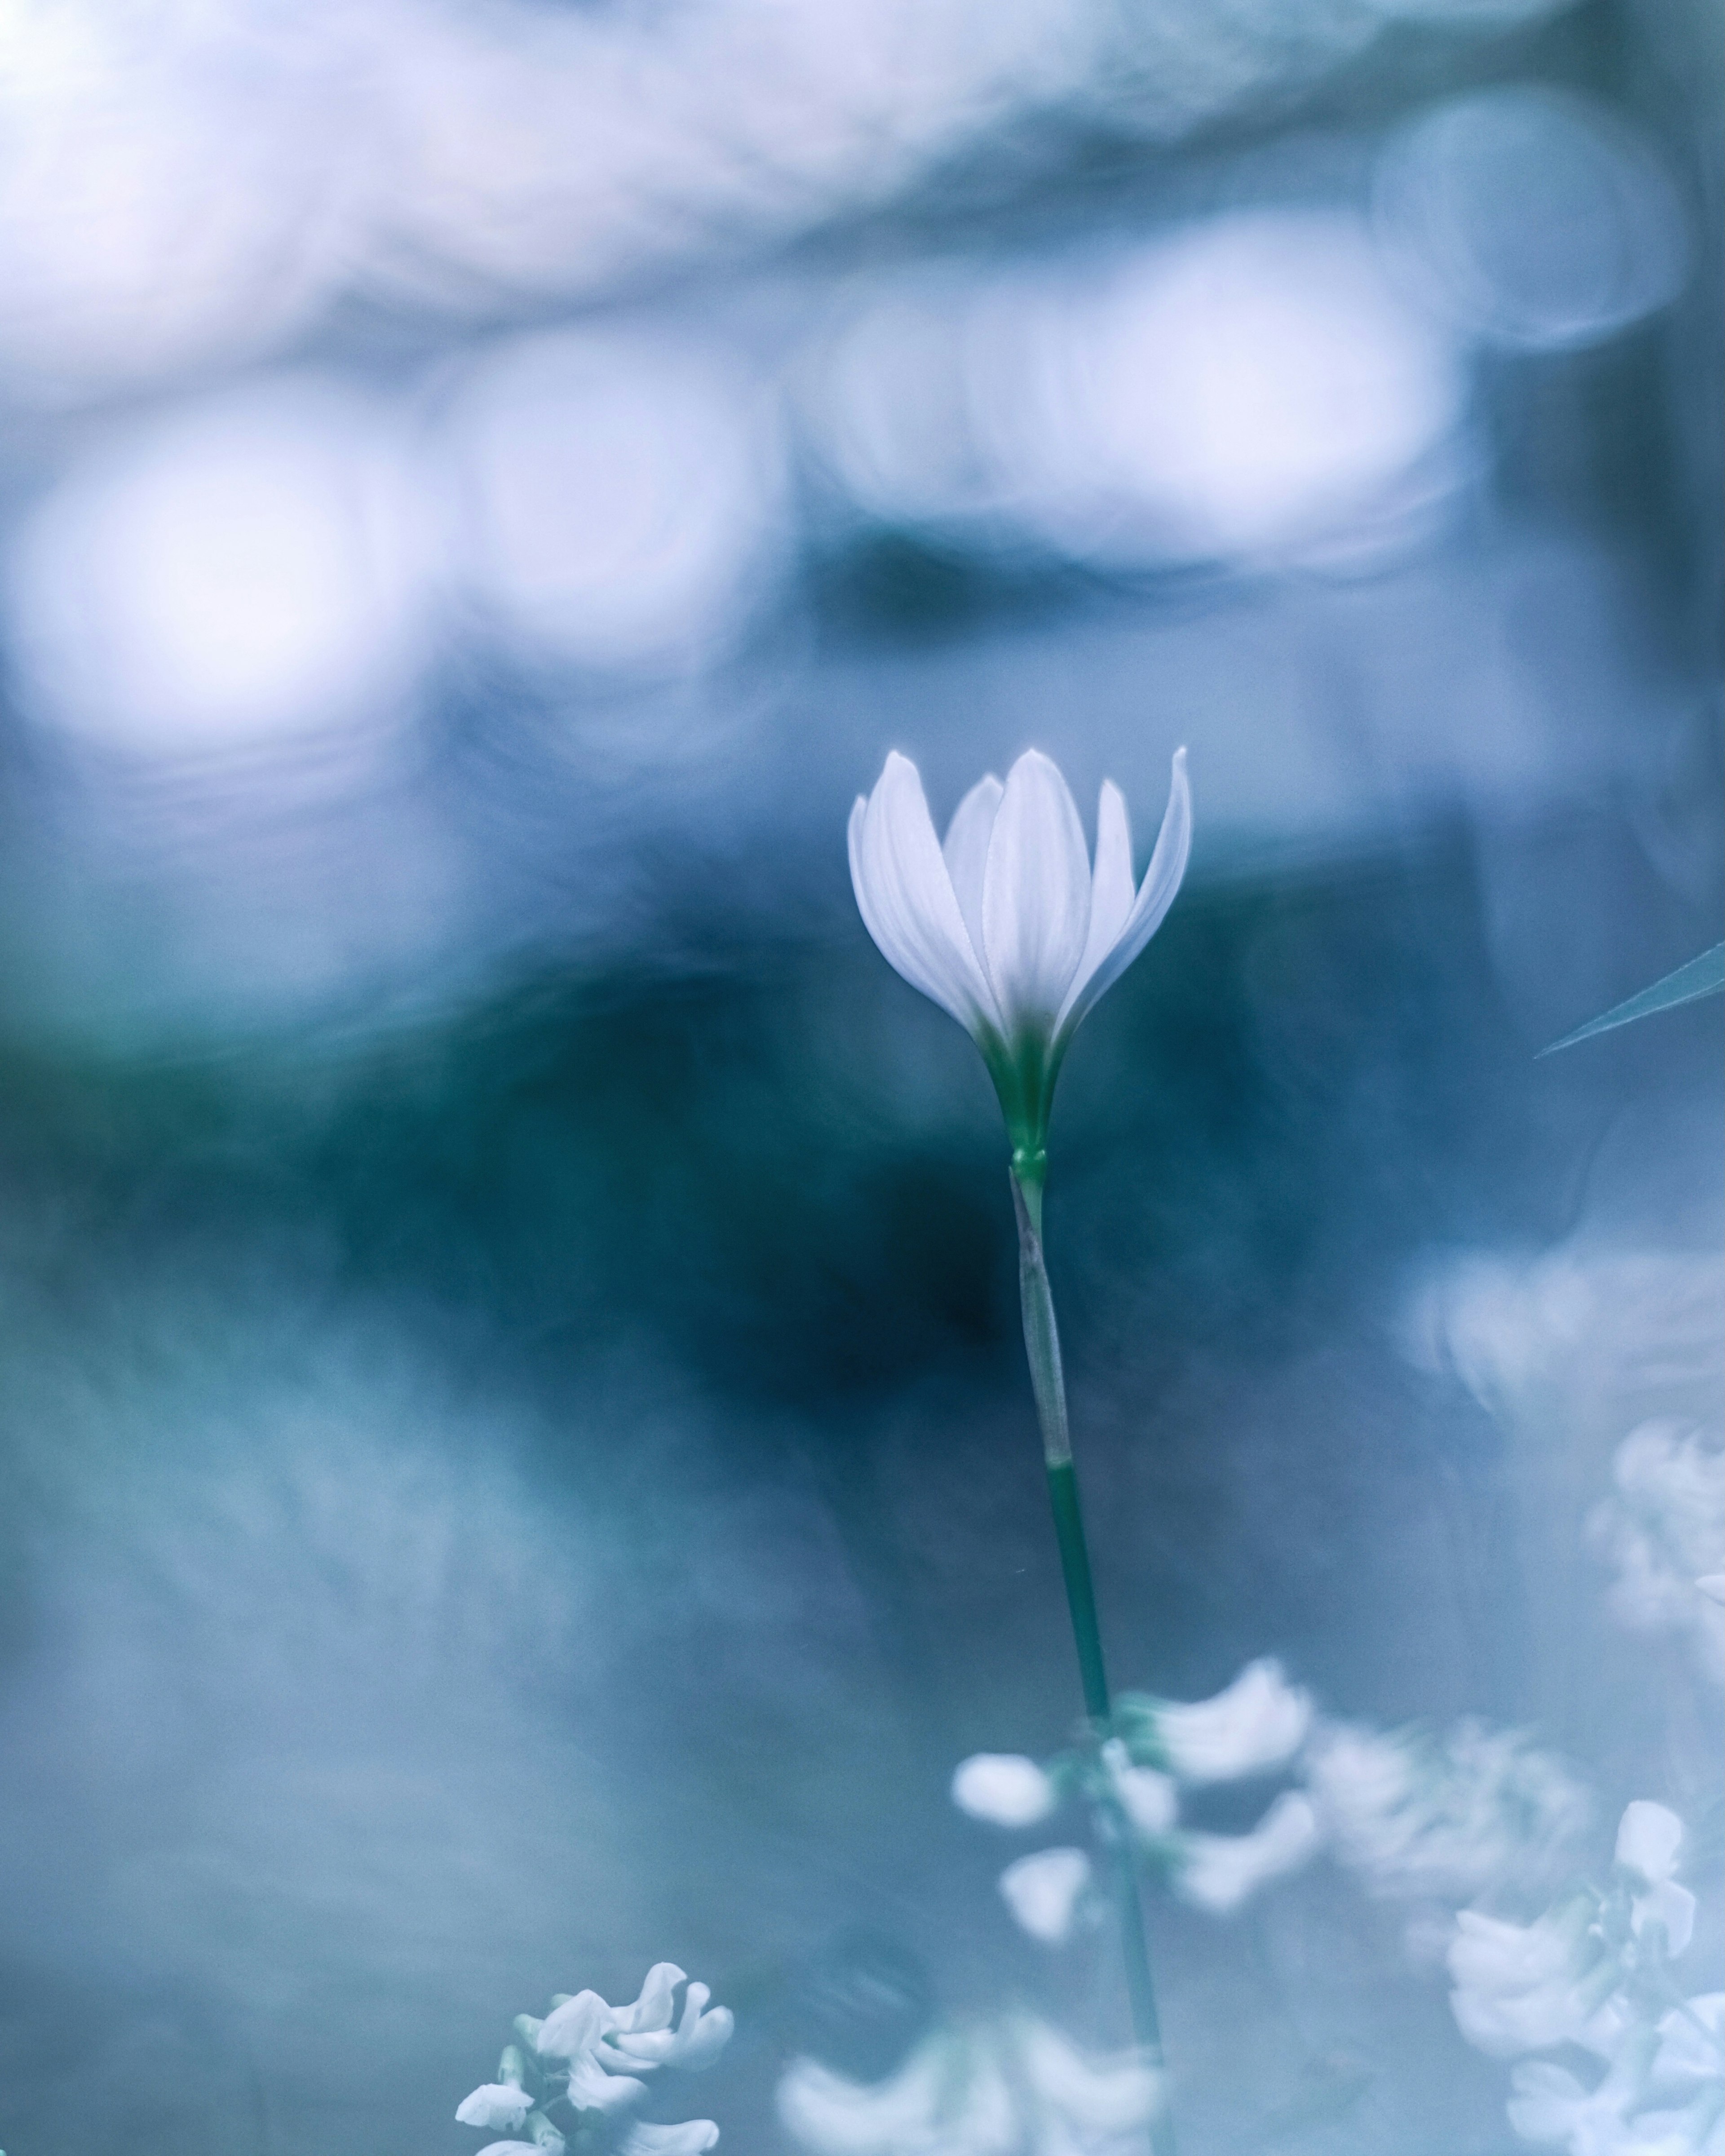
(1704, 976)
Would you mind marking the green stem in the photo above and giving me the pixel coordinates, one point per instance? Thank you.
(1042, 1346)
(1080, 1595)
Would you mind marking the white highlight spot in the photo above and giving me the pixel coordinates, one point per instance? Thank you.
(232, 574)
(619, 498)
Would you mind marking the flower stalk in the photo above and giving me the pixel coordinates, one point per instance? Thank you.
(1014, 928)
(1042, 1348)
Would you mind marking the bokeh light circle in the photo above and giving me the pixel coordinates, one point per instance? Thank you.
(619, 498)
(1532, 218)
(246, 569)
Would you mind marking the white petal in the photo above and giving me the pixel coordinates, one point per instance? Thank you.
(1101, 2098)
(1003, 1788)
(646, 2048)
(1490, 1953)
(1648, 1839)
(652, 2009)
(1042, 1890)
(700, 2040)
(574, 2027)
(1686, 2052)
(1220, 1871)
(1111, 894)
(1155, 894)
(498, 2103)
(966, 852)
(945, 2100)
(1035, 895)
(907, 899)
(1547, 2102)
(1670, 1905)
(591, 2088)
(1148, 1799)
(1258, 1723)
(691, 2138)
(696, 2042)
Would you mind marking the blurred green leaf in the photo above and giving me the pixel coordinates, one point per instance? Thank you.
(1704, 976)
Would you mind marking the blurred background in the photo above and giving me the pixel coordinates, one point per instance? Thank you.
(517, 1458)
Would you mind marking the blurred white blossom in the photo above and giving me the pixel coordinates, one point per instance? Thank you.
(1149, 1798)
(1013, 2088)
(1448, 1820)
(1663, 1529)
(1258, 1723)
(1003, 1788)
(1616, 1323)
(1221, 1872)
(1648, 1841)
(1649, 1837)
(1593, 1975)
(1671, 2104)
(1043, 1891)
(1525, 1987)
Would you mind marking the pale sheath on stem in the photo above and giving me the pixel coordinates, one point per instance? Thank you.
(1013, 928)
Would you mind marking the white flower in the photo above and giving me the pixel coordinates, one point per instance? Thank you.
(1042, 1890)
(1614, 1326)
(1626, 2114)
(1088, 2103)
(1648, 1840)
(1149, 1800)
(498, 2103)
(1691, 2046)
(1550, 2106)
(1258, 1723)
(1219, 1871)
(1009, 927)
(1445, 1820)
(1663, 1528)
(1014, 2088)
(949, 2098)
(605, 2050)
(645, 2038)
(1525, 1987)
(1003, 1788)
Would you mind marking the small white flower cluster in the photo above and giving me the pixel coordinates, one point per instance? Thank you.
(590, 2060)
(1433, 1822)
(1015, 2087)
(1593, 1975)
(1663, 1529)
(1438, 1822)
(1255, 1726)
